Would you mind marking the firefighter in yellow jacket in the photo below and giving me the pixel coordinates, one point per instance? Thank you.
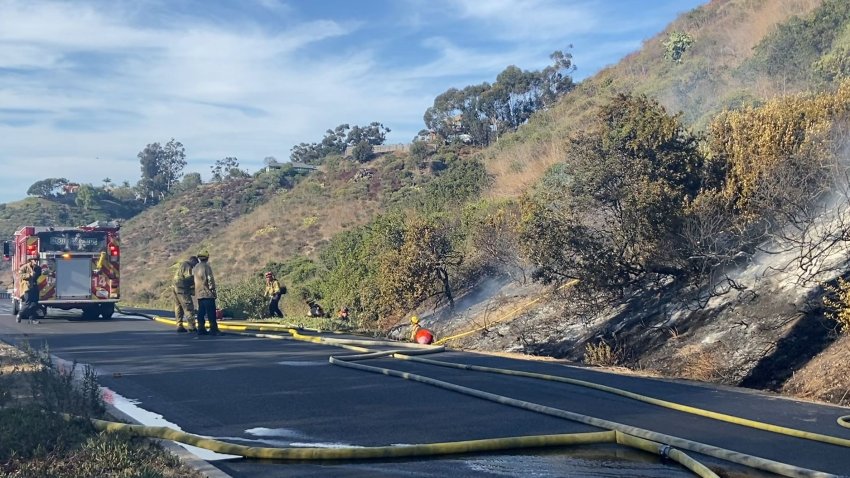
(29, 274)
(273, 291)
(183, 288)
(205, 292)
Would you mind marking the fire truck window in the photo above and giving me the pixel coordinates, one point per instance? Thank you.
(71, 241)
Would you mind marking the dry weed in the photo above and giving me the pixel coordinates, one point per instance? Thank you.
(700, 363)
(602, 355)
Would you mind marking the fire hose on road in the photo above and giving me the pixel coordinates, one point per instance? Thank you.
(643, 439)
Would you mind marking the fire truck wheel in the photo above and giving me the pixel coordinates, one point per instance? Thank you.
(16, 306)
(90, 312)
(106, 310)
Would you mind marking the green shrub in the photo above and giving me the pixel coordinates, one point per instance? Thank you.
(244, 299)
(30, 431)
(791, 51)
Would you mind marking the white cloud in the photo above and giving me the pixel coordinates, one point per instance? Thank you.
(85, 81)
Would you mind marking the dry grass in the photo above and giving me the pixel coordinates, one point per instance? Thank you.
(725, 32)
(826, 377)
(518, 168)
(293, 222)
(601, 354)
(701, 363)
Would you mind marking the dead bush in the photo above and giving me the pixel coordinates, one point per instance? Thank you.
(601, 354)
(705, 365)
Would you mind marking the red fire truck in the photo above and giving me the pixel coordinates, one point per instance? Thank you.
(79, 266)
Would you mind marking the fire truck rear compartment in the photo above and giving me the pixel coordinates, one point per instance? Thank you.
(73, 278)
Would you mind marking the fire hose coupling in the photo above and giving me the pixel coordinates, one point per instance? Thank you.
(665, 451)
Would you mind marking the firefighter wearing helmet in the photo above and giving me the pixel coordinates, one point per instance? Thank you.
(419, 334)
(29, 274)
(273, 292)
(206, 294)
(183, 288)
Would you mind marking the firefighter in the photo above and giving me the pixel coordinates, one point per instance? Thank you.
(316, 310)
(419, 334)
(205, 292)
(343, 314)
(273, 291)
(29, 274)
(183, 289)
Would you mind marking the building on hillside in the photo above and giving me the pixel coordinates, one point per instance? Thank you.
(303, 166)
(381, 148)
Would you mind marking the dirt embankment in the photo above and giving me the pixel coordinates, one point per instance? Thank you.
(772, 334)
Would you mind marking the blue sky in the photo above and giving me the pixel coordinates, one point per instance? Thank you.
(85, 85)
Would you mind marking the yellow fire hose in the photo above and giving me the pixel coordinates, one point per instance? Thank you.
(643, 398)
(716, 452)
(406, 451)
(662, 440)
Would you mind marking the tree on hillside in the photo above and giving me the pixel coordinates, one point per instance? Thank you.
(611, 214)
(676, 45)
(162, 168)
(86, 197)
(479, 114)
(47, 188)
(373, 134)
(362, 152)
(227, 168)
(419, 267)
(337, 140)
(191, 181)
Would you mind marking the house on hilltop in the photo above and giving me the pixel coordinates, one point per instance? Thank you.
(303, 166)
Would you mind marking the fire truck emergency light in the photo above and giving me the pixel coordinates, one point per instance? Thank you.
(113, 250)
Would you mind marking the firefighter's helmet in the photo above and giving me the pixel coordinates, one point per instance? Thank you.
(414, 320)
(203, 254)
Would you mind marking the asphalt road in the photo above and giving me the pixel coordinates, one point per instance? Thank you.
(266, 392)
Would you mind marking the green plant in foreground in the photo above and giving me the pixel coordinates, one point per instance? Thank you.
(36, 441)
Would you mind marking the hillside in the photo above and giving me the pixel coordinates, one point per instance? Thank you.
(719, 71)
(764, 323)
(244, 230)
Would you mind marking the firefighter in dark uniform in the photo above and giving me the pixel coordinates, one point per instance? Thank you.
(29, 274)
(183, 288)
